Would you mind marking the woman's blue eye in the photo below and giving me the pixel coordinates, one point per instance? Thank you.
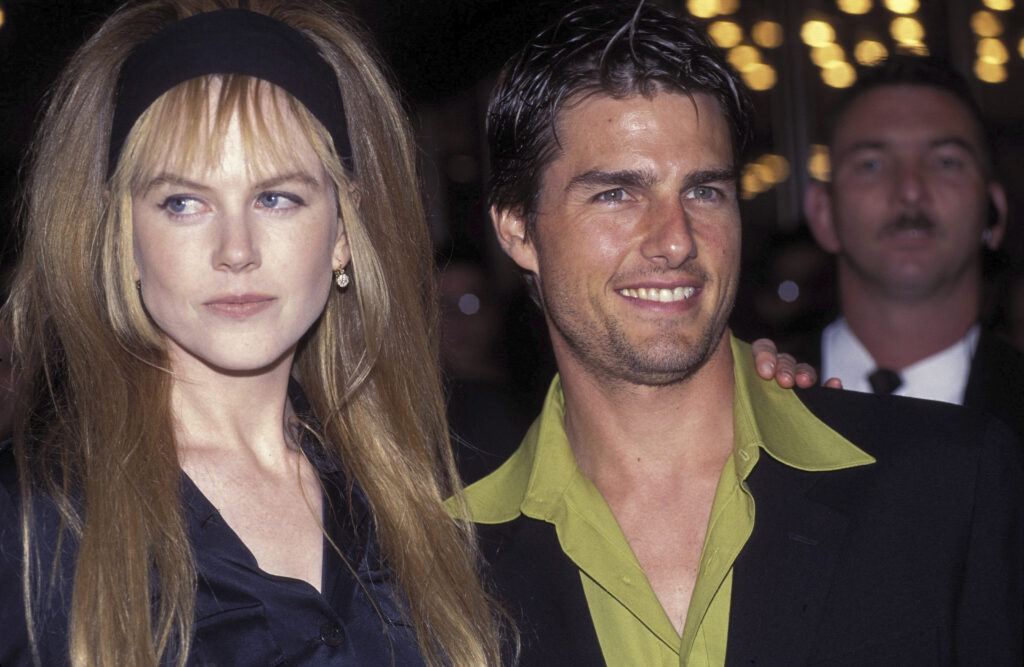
(179, 205)
(277, 200)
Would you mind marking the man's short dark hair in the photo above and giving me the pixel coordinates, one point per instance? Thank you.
(910, 70)
(610, 48)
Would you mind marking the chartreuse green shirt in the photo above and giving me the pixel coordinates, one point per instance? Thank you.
(541, 480)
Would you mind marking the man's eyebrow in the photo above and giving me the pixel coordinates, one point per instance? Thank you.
(702, 176)
(596, 178)
(862, 145)
(626, 178)
(956, 141)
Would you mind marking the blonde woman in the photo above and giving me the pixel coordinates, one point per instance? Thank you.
(231, 447)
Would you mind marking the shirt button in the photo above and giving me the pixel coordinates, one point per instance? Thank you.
(332, 634)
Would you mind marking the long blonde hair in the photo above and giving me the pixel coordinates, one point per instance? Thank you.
(95, 432)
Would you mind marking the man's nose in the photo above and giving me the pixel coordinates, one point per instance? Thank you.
(668, 236)
(911, 186)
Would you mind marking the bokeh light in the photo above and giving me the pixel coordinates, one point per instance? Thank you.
(759, 76)
(901, 6)
(838, 74)
(1020, 47)
(743, 56)
(991, 50)
(827, 53)
(870, 52)
(817, 33)
(906, 30)
(777, 167)
(725, 33)
(989, 72)
(702, 9)
(999, 5)
(767, 34)
(818, 164)
(854, 6)
(727, 6)
(986, 24)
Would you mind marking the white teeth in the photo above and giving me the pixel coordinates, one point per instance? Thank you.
(664, 295)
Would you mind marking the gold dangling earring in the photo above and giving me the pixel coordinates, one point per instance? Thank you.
(341, 278)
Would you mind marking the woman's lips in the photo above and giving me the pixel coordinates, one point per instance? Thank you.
(240, 306)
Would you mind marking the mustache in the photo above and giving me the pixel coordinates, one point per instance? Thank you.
(903, 223)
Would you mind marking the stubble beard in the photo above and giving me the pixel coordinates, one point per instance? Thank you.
(605, 350)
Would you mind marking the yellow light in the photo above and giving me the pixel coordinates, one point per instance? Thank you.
(869, 52)
(727, 6)
(2, 17)
(999, 5)
(1020, 47)
(838, 74)
(989, 72)
(702, 9)
(777, 168)
(817, 33)
(819, 165)
(743, 56)
(822, 55)
(751, 184)
(759, 76)
(991, 50)
(986, 24)
(767, 34)
(725, 33)
(854, 6)
(912, 48)
(906, 30)
(902, 6)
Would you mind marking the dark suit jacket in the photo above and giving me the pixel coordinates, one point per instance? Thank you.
(995, 383)
(913, 560)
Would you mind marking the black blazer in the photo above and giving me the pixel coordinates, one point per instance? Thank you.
(914, 560)
(995, 383)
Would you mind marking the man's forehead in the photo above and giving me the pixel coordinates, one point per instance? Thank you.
(698, 112)
(908, 113)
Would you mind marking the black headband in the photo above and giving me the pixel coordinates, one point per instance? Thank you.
(228, 41)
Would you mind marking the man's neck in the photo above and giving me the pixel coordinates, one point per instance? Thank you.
(898, 333)
(625, 434)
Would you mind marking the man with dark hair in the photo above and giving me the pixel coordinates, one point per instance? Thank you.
(912, 208)
(668, 506)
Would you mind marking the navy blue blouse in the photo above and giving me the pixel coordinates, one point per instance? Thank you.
(244, 616)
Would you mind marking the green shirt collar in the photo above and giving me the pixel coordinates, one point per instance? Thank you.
(534, 479)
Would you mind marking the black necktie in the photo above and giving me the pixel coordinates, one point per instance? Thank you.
(884, 381)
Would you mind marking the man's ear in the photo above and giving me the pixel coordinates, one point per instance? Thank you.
(818, 211)
(511, 230)
(996, 224)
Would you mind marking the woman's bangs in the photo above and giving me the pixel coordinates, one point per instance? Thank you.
(183, 132)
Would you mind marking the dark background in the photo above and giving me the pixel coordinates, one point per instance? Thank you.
(444, 54)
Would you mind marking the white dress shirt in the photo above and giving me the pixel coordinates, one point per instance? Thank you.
(940, 377)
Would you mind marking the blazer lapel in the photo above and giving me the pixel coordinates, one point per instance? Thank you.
(782, 577)
(540, 587)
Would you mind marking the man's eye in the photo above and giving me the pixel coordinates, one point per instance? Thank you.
(868, 166)
(618, 194)
(949, 162)
(703, 192)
